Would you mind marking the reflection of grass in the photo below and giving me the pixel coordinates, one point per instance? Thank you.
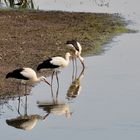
(28, 37)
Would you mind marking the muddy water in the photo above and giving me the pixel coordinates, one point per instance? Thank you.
(107, 106)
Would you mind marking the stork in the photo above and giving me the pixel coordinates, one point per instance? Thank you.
(55, 63)
(26, 75)
(77, 48)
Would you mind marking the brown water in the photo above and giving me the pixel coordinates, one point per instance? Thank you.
(108, 104)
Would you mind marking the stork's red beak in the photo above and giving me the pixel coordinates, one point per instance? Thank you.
(47, 82)
(82, 62)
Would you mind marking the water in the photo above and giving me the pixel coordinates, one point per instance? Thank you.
(108, 104)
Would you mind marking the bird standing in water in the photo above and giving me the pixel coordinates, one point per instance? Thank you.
(55, 63)
(77, 48)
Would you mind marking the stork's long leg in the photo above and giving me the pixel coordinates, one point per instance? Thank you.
(25, 104)
(82, 63)
(18, 106)
(52, 85)
(76, 67)
(19, 88)
(73, 70)
(52, 78)
(57, 85)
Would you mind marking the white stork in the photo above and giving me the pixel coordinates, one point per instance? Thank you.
(77, 48)
(26, 75)
(54, 63)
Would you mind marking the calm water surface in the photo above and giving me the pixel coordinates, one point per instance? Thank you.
(107, 107)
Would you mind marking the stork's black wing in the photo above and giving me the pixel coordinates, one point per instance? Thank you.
(16, 74)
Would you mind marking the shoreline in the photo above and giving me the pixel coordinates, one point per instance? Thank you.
(29, 37)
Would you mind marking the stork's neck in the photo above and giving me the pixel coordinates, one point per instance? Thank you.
(79, 46)
(81, 58)
(67, 58)
(36, 79)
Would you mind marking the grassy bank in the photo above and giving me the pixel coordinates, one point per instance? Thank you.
(29, 37)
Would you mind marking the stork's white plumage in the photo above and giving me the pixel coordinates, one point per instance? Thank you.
(55, 63)
(26, 74)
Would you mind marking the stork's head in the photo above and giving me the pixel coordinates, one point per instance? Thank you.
(75, 45)
(44, 79)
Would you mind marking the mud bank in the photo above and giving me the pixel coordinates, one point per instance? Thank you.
(29, 37)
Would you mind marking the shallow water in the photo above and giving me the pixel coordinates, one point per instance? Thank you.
(108, 104)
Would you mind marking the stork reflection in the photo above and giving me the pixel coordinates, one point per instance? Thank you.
(75, 87)
(25, 121)
(55, 107)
